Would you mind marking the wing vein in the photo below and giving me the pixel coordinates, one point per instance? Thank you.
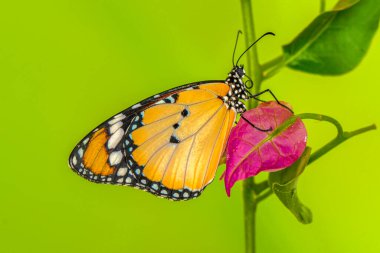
(150, 157)
(195, 133)
(187, 162)
(213, 148)
(202, 126)
(167, 165)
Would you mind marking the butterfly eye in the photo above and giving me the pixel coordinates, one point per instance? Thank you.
(240, 71)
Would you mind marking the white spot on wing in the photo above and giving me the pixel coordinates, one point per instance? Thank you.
(160, 102)
(85, 141)
(74, 160)
(115, 158)
(122, 171)
(115, 138)
(120, 115)
(116, 118)
(116, 126)
(136, 106)
(80, 152)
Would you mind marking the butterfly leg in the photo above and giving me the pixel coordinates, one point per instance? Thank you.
(268, 90)
(260, 129)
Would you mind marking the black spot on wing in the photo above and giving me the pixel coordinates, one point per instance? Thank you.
(185, 112)
(174, 139)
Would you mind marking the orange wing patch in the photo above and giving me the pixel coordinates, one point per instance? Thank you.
(220, 89)
(158, 163)
(219, 147)
(202, 150)
(161, 111)
(144, 152)
(198, 115)
(96, 156)
(175, 174)
(194, 96)
(151, 130)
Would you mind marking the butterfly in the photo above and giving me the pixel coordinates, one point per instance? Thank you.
(169, 144)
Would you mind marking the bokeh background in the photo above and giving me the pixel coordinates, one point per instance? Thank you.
(65, 66)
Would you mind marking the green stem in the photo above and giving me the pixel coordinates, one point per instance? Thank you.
(272, 63)
(275, 69)
(341, 137)
(255, 72)
(321, 117)
(250, 207)
(264, 195)
(253, 67)
(337, 141)
(260, 187)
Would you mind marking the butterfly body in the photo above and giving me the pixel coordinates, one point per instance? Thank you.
(169, 144)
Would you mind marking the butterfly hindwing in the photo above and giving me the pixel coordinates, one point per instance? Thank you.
(169, 144)
(99, 157)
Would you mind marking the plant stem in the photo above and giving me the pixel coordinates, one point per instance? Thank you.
(262, 186)
(321, 117)
(264, 195)
(272, 63)
(253, 67)
(255, 72)
(341, 137)
(250, 207)
(275, 69)
(337, 141)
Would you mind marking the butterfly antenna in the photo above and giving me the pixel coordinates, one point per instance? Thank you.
(233, 55)
(262, 36)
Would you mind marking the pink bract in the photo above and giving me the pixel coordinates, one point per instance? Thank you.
(250, 151)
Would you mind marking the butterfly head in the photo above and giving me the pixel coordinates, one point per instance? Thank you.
(236, 74)
(239, 70)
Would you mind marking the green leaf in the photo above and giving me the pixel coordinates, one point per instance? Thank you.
(284, 185)
(337, 40)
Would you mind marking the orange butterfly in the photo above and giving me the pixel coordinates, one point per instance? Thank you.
(169, 144)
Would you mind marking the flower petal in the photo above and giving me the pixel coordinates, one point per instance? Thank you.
(250, 151)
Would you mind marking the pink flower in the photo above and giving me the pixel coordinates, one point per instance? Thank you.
(250, 151)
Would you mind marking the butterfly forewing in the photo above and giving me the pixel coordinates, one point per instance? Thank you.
(169, 144)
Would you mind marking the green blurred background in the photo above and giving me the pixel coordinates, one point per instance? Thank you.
(68, 65)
